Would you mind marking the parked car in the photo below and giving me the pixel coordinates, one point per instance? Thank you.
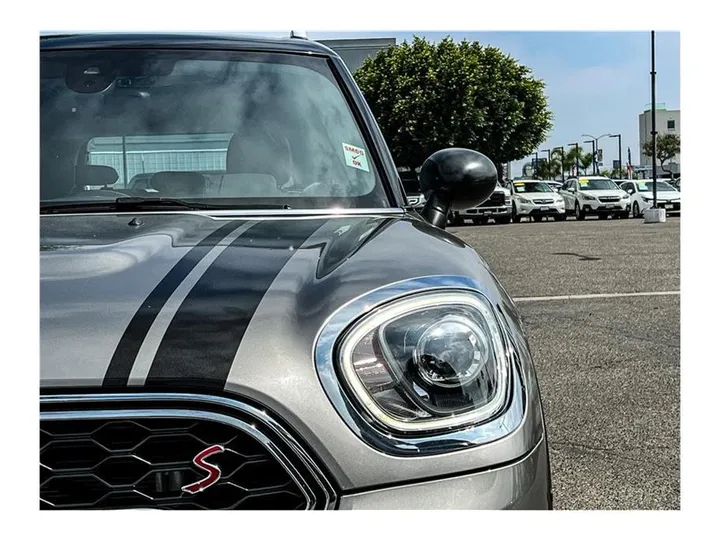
(554, 185)
(415, 196)
(641, 196)
(595, 195)
(282, 333)
(535, 199)
(496, 207)
(675, 182)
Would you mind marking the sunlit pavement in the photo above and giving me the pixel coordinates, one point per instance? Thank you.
(609, 368)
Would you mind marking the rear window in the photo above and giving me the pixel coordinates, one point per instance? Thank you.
(137, 158)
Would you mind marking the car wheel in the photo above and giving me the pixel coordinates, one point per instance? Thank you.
(579, 214)
(515, 217)
(560, 217)
(635, 210)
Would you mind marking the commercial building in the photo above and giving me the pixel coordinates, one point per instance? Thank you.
(666, 121)
(355, 51)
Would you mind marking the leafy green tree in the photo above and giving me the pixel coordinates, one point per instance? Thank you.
(428, 96)
(667, 147)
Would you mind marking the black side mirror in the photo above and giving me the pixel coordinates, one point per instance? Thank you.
(455, 178)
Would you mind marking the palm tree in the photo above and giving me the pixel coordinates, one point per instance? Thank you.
(584, 159)
(549, 169)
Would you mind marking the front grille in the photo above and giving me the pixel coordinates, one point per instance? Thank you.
(608, 199)
(543, 201)
(142, 459)
(496, 199)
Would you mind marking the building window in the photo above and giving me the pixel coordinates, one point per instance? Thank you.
(671, 124)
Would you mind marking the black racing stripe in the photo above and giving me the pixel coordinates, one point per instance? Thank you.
(200, 343)
(118, 372)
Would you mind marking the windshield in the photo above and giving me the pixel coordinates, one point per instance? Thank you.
(661, 186)
(590, 184)
(231, 128)
(531, 187)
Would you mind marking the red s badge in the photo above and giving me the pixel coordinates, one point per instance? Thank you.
(212, 470)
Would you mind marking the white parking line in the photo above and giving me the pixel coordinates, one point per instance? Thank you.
(585, 296)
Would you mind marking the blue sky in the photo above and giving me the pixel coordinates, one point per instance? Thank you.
(597, 82)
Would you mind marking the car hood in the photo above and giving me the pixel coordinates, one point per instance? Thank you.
(604, 192)
(549, 196)
(662, 195)
(189, 300)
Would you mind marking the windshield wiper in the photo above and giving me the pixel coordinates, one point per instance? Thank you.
(138, 204)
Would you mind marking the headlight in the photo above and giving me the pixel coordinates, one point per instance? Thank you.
(587, 197)
(508, 199)
(427, 363)
(625, 196)
(559, 200)
(646, 199)
(524, 200)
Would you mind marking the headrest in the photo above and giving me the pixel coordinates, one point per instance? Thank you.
(178, 184)
(258, 151)
(95, 175)
(57, 175)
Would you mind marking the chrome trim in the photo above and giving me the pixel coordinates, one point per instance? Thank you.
(368, 429)
(255, 214)
(258, 414)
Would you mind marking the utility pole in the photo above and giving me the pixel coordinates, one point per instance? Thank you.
(535, 169)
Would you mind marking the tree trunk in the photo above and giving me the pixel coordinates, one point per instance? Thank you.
(500, 172)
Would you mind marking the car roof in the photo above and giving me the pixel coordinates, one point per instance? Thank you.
(183, 40)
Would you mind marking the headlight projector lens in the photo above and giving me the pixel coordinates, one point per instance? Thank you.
(451, 352)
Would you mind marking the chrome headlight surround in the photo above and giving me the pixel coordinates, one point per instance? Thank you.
(496, 421)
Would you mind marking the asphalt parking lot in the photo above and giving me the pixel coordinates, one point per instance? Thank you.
(609, 367)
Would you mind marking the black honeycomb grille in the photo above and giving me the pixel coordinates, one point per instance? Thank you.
(145, 462)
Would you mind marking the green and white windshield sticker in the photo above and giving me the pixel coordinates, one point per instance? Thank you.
(355, 157)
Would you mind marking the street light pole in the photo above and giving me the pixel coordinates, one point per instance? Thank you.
(562, 161)
(592, 141)
(548, 162)
(619, 138)
(535, 169)
(654, 132)
(596, 145)
(577, 157)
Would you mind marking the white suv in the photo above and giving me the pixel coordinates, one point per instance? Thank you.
(535, 199)
(641, 196)
(595, 195)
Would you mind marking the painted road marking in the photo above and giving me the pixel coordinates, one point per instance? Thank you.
(586, 296)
